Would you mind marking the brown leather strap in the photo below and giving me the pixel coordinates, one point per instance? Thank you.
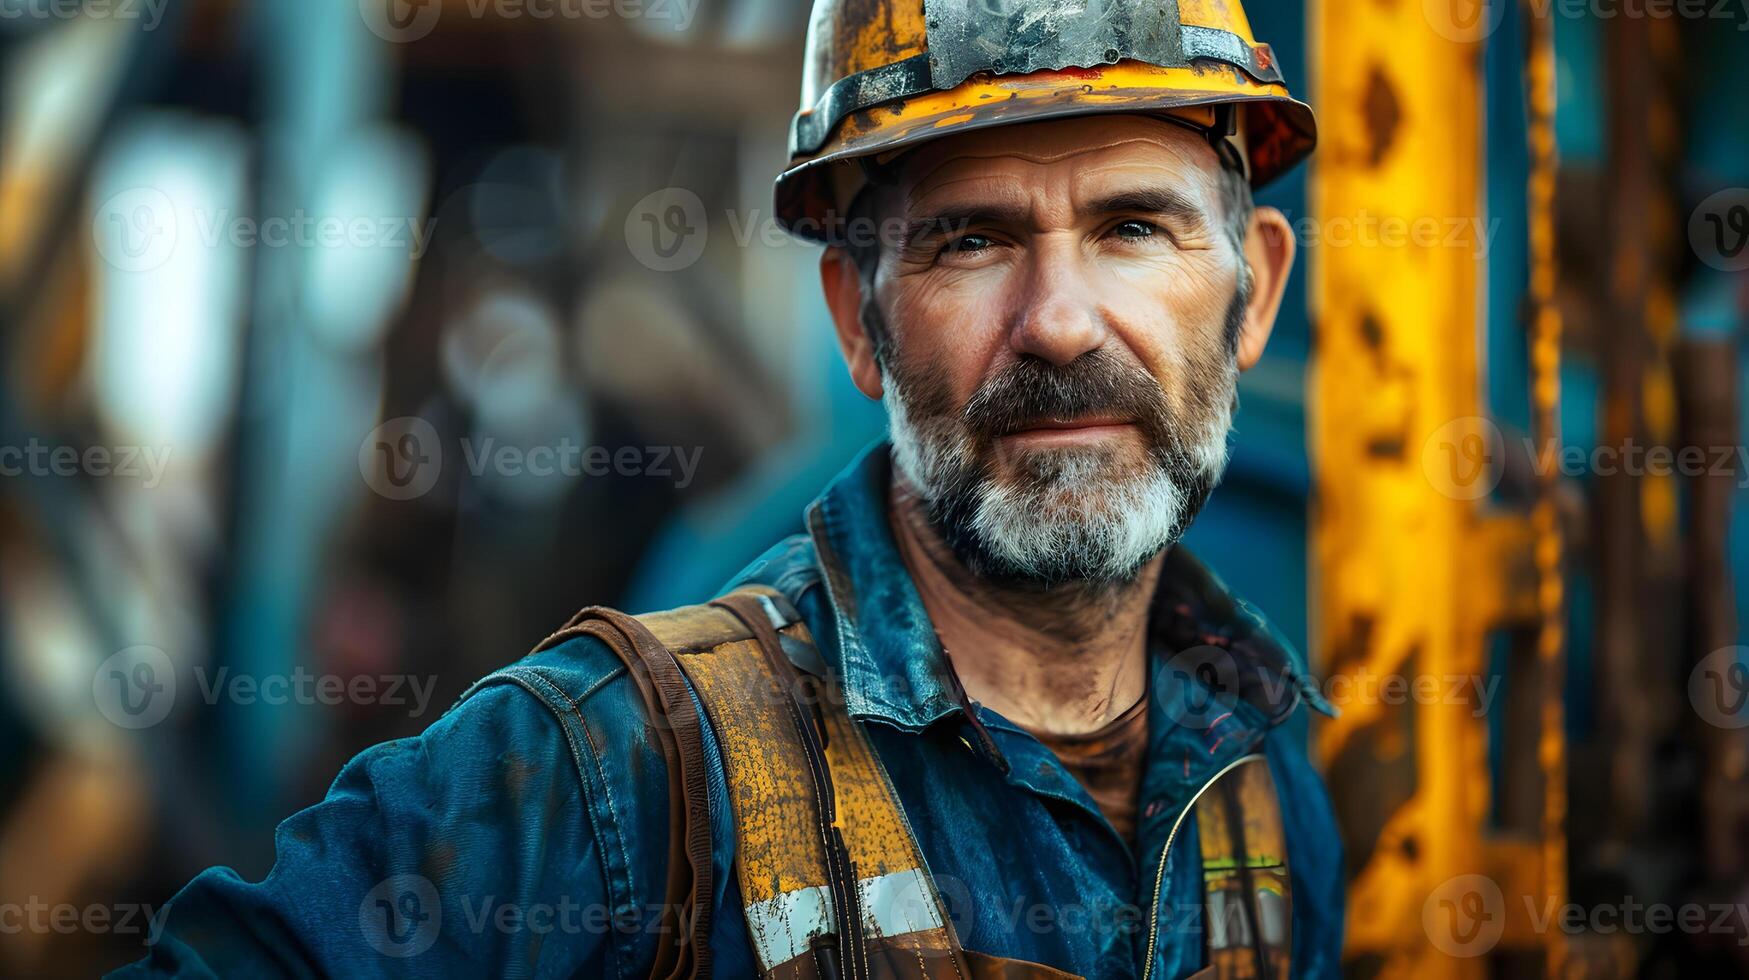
(686, 911)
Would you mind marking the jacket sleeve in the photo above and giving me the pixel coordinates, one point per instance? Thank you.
(467, 849)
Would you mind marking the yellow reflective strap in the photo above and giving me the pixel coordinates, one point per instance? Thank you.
(780, 858)
(776, 821)
(1248, 899)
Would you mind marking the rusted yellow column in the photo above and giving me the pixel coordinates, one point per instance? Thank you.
(1407, 571)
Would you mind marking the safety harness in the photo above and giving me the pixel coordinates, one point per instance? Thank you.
(833, 881)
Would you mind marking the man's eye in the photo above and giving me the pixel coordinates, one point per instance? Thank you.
(1134, 229)
(967, 243)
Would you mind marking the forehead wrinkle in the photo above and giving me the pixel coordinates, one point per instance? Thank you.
(1184, 196)
(1129, 188)
(924, 165)
(1013, 177)
(999, 197)
(1185, 164)
(1006, 190)
(996, 189)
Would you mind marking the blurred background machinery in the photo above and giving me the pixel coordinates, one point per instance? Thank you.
(282, 280)
(1480, 509)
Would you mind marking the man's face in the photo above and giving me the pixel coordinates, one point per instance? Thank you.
(1055, 334)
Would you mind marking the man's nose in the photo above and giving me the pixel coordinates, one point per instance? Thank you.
(1058, 317)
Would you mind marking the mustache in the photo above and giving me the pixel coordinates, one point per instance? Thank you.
(1096, 384)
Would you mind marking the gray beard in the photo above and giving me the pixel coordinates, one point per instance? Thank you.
(1067, 519)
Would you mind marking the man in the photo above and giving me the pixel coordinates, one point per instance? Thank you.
(985, 718)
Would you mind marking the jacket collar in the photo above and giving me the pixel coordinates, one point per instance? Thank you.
(890, 661)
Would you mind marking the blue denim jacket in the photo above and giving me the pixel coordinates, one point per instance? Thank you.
(525, 832)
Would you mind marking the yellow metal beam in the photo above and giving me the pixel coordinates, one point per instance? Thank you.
(1412, 570)
(1396, 535)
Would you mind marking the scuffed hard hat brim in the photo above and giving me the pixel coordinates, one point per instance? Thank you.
(1280, 131)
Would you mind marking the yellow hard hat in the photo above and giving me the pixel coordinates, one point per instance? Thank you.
(880, 76)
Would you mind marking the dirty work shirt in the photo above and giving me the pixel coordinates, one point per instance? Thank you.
(1108, 764)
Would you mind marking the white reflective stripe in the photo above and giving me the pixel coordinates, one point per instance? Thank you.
(898, 903)
(772, 616)
(892, 905)
(782, 926)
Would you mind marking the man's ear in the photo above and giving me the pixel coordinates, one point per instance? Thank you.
(843, 287)
(1269, 247)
